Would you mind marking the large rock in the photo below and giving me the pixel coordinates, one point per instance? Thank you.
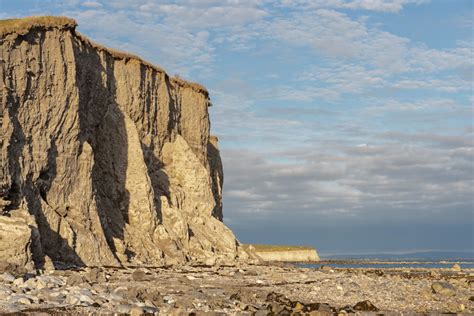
(443, 288)
(111, 156)
(18, 242)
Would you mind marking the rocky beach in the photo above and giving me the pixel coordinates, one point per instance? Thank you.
(238, 290)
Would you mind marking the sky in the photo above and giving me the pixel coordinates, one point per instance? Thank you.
(343, 124)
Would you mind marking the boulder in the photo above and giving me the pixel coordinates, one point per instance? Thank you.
(456, 267)
(18, 238)
(443, 288)
(365, 306)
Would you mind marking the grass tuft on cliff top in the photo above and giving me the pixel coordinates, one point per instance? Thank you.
(270, 248)
(24, 25)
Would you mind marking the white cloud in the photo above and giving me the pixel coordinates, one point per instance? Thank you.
(244, 194)
(185, 50)
(342, 78)
(204, 15)
(337, 36)
(433, 60)
(303, 94)
(392, 105)
(379, 5)
(447, 84)
(369, 5)
(91, 4)
(370, 182)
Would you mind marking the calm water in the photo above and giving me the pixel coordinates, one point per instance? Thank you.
(399, 263)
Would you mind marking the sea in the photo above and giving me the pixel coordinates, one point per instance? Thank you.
(431, 259)
(392, 263)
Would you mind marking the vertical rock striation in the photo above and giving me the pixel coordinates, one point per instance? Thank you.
(103, 154)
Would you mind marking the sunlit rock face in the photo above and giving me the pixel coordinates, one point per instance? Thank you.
(108, 158)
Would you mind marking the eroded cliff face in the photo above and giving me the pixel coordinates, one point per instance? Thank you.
(103, 154)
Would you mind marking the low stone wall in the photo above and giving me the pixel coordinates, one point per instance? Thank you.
(289, 255)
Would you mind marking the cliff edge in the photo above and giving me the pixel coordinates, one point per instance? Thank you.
(104, 159)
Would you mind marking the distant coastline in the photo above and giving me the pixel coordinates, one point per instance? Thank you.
(284, 253)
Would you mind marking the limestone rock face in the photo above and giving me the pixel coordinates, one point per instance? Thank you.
(110, 157)
(19, 240)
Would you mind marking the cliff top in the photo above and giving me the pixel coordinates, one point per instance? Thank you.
(24, 25)
(272, 248)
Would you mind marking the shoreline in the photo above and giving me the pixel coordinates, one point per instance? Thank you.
(387, 262)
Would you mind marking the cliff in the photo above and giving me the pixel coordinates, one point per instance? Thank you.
(284, 253)
(309, 255)
(105, 159)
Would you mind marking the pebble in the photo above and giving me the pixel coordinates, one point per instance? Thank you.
(365, 306)
(443, 288)
(4, 293)
(123, 309)
(426, 294)
(137, 310)
(96, 275)
(24, 301)
(18, 281)
(455, 307)
(456, 267)
(168, 299)
(7, 277)
(72, 300)
(115, 297)
(20, 299)
(149, 308)
(76, 279)
(56, 295)
(10, 308)
(138, 275)
(86, 299)
(41, 284)
(30, 283)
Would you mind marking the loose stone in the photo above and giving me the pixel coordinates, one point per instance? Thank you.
(443, 288)
(123, 309)
(7, 277)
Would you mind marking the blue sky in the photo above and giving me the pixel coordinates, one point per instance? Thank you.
(343, 124)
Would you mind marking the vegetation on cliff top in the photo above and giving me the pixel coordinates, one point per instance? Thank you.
(24, 25)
